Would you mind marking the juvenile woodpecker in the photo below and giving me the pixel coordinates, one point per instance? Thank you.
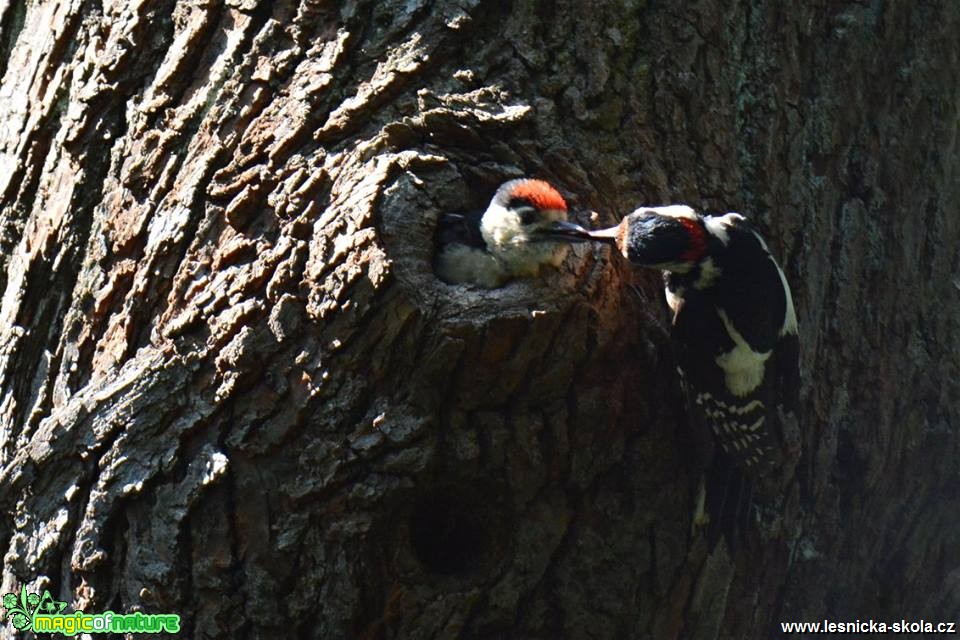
(513, 238)
(734, 325)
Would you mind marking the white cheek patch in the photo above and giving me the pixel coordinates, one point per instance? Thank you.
(717, 225)
(500, 226)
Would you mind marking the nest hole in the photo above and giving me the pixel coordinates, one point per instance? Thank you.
(452, 532)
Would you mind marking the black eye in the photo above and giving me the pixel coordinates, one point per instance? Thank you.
(528, 214)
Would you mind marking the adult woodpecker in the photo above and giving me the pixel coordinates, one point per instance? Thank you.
(511, 239)
(734, 328)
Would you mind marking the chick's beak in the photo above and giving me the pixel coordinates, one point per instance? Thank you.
(561, 230)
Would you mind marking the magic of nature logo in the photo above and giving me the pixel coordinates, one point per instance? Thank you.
(42, 614)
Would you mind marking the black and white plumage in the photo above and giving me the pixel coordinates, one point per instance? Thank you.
(734, 327)
(511, 239)
(735, 336)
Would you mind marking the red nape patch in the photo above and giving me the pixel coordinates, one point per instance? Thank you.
(698, 240)
(541, 194)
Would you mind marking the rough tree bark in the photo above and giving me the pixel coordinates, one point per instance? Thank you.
(233, 388)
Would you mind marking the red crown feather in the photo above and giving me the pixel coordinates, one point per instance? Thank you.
(541, 194)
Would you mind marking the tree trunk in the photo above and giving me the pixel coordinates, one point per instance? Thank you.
(232, 387)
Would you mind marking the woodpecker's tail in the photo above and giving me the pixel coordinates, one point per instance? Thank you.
(730, 495)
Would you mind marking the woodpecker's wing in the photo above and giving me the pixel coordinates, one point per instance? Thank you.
(760, 308)
(462, 256)
(743, 423)
(460, 228)
(787, 353)
(751, 291)
(736, 343)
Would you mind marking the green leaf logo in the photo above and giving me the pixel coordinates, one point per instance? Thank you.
(21, 621)
(21, 611)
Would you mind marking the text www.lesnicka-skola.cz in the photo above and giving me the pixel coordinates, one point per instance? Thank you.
(869, 626)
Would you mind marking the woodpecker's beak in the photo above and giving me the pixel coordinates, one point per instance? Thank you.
(608, 235)
(562, 230)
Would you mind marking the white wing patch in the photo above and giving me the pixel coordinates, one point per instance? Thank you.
(501, 226)
(709, 272)
(742, 366)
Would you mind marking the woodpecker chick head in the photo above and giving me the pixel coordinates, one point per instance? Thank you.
(517, 225)
(515, 236)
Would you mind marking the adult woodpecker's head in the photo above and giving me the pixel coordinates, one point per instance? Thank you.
(520, 231)
(672, 238)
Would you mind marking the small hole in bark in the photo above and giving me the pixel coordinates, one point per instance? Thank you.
(450, 532)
